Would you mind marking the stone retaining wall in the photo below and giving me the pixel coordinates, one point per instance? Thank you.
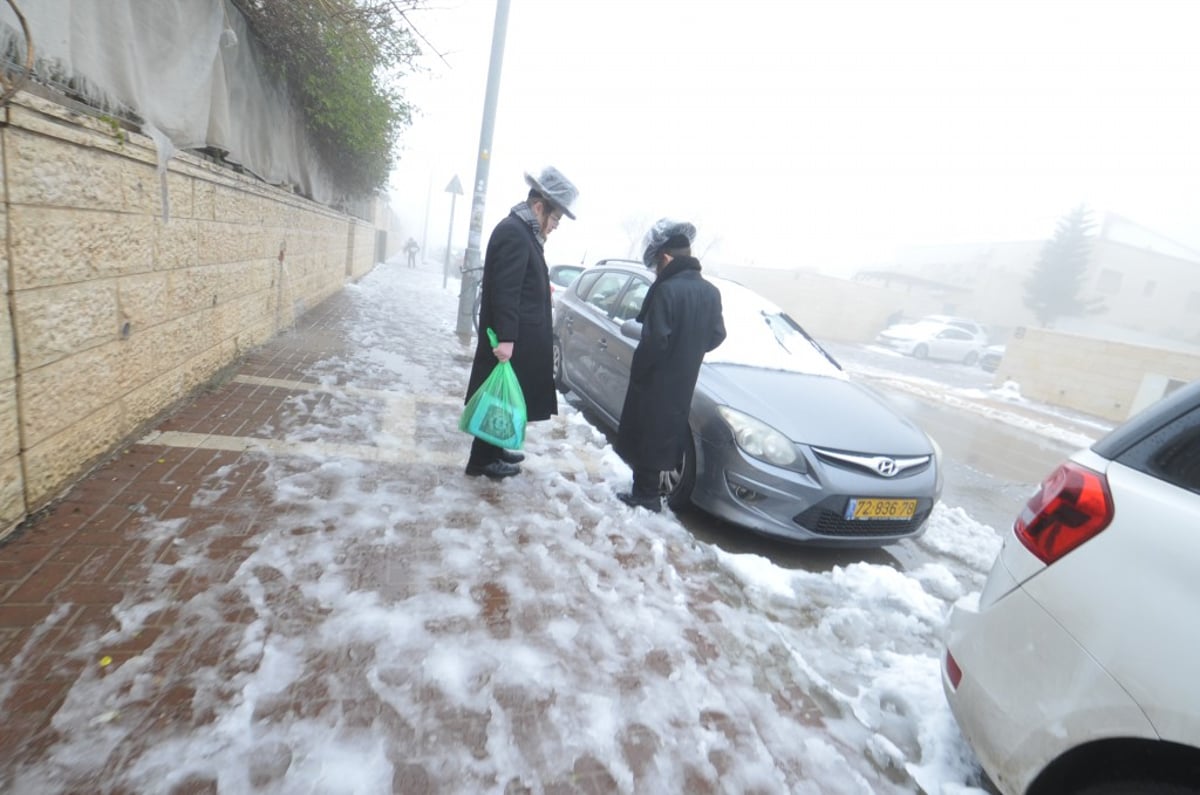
(113, 313)
(1103, 378)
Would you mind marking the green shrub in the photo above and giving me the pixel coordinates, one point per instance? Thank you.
(341, 60)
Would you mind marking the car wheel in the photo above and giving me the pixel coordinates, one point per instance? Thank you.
(558, 367)
(679, 483)
(1134, 770)
(972, 357)
(921, 352)
(1140, 786)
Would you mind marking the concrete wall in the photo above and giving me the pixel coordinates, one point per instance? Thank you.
(1102, 378)
(829, 308)
(116, 312)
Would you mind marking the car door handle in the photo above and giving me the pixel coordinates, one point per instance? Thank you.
(603, 343)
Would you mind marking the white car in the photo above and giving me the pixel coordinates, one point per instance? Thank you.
(1077, 668)
(991, 358)
(561, 277)
(966, 324)
(927, 339)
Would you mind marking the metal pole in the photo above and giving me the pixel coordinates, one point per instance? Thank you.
(449, 237)
(473, 267)
(428, 202)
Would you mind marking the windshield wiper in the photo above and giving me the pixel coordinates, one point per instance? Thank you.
(775, 331)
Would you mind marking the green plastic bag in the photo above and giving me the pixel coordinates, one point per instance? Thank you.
(496, 412)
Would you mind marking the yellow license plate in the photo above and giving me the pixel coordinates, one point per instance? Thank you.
(873, 508)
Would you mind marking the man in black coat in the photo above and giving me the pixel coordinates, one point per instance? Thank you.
(681, 321)
(516, 305)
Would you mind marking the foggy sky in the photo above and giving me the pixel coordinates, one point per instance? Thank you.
(819, 135)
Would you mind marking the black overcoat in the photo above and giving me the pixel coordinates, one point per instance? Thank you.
(516, 305)
(682, 322)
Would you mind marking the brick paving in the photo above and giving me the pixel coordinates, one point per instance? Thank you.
(89, 702)
(65, 571)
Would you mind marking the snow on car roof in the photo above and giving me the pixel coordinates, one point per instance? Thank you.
(760, 334)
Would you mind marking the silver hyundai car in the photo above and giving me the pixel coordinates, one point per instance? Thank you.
(784, 443)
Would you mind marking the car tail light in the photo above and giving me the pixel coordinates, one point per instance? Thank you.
(1071, 506)
(952, 670)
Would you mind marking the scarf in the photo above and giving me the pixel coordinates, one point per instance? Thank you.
(523, 212)
(674, 268)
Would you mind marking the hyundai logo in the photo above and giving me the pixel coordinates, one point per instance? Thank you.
(886, 466)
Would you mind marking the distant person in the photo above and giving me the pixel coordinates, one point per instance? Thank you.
(681, 321)
(515, 303)
(411, 248)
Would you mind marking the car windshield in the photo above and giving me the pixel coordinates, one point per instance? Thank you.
(760, 334)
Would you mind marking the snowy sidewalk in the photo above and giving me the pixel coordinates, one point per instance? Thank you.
(290, 586)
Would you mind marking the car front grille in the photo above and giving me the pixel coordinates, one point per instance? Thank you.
(827, 520)
(907, 466)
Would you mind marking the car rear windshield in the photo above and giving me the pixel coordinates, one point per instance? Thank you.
(1170, 453)
(1149, 421)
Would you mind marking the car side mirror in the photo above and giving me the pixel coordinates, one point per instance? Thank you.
(631, 329)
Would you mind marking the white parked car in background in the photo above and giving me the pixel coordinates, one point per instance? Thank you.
(927, 339)
(561, 277)
(1077, 669)
(966, 324)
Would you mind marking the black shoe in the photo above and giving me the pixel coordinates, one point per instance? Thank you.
(511, 456)
(493, 469)
(652, 504)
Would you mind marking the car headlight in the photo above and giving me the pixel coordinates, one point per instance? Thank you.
(758, 439)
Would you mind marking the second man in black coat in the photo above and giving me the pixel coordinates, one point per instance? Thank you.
(681, 321)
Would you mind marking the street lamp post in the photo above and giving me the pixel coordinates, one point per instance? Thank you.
(473, 267)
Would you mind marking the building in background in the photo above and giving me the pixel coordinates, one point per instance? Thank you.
(1149, 285)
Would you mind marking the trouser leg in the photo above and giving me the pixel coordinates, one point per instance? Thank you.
(483, 453)
(645, 484)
